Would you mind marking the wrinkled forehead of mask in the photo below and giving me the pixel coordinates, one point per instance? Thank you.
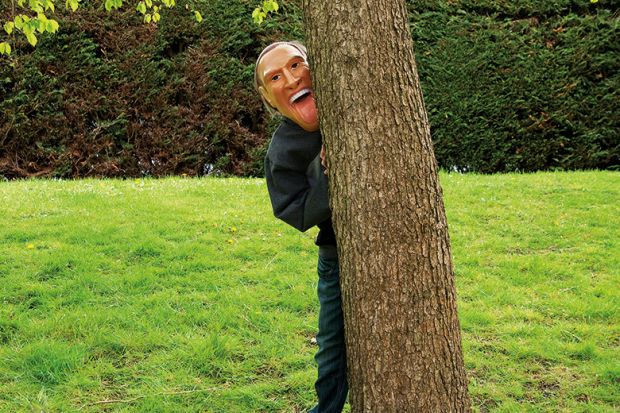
(294, 45)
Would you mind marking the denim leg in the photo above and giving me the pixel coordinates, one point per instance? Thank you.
(331, 385)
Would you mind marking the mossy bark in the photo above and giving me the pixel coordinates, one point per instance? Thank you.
(399, 299)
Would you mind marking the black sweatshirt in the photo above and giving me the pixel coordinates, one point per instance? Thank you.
(296, 183)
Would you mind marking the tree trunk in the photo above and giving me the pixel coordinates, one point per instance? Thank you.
(402, 331)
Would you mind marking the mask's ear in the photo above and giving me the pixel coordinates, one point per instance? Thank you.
(266, 95)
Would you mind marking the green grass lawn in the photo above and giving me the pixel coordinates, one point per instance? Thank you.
(186, 295)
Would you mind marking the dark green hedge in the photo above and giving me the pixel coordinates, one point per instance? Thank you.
(110, 96)
(527, 94)
(523, 85)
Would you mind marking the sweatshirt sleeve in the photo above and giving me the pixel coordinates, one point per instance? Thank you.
(299, 198)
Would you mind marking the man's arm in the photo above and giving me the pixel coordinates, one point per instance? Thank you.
(297, 200)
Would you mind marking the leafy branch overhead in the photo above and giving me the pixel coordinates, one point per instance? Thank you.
(260, 12)
(32, 18)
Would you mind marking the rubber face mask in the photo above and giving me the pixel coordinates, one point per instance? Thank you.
(286, 85)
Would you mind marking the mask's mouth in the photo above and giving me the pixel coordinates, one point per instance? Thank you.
(300, 96)
(303, 108)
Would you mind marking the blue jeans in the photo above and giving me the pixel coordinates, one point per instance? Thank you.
(331, 385)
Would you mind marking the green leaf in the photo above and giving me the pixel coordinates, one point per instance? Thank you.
(261, 12)
(41, 23)
(147, 18)
(258, 15)
(270, 6)
(32, 39)
(156, 17)
(5, 48)
(35, 5)
(19, 22)
(48, 5)
(198, 16)
(141, 7)
(8, 27)
(72, 4)
(109, 4)
(41, 26)
(27, 29)
(149, 3)
(52, 26)
(20, 3)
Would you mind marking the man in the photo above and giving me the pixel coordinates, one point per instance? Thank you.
(298, 189)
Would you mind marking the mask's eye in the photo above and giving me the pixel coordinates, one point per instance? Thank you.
(275, 78)
(294, 65)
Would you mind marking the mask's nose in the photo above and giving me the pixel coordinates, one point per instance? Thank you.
(292, 81)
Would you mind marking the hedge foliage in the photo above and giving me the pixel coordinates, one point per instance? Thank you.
(509, 85)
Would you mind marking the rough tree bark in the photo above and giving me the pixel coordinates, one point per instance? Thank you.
(402, 331)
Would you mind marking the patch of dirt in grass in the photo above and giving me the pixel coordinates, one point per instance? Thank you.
(484, 404)
(548, 387)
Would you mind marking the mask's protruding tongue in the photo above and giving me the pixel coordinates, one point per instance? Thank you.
(306, 108)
